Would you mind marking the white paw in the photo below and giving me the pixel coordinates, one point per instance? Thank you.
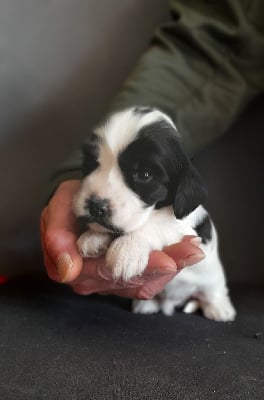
(93, 244)
(222, 310)
(127, 257)
(167, 307)
(191, 306)
(145, 306)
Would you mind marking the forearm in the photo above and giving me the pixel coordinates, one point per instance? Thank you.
(69, 170)
(203, 67)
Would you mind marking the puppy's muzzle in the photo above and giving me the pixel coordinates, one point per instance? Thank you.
(98, 208)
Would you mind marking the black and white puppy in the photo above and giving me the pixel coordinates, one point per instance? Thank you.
(140, 193)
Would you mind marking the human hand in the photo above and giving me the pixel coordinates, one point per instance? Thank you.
(59, 234)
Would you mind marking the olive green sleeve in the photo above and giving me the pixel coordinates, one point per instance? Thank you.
(68, 170)
(203, 66)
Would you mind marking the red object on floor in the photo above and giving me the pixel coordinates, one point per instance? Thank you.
(3, 279)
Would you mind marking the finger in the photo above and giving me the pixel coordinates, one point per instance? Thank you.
(154, 286)
(145, 286)
(145, 291)
(91, 269)
(164, 262)
(196, 240)
(61, 250)
(129, 293)
(163, 266)
(159, 263)
(59, 214)
(59, 240)
(89, 286)
(184, 253)
(158, 260)
(51, 271)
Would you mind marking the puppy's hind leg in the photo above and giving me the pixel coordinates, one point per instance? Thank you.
(213, 295)
(218, 308)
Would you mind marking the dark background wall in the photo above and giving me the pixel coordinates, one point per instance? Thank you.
(61, 63)
(233, 169)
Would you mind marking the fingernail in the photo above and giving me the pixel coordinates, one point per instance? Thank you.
(104, 273)
(64, 265)
(194, 259)
(196, 241)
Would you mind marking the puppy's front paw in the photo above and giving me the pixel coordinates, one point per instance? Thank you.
(127, 257)
(93, 244)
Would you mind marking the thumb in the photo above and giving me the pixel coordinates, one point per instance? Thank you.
(59, 239)
(61, 256)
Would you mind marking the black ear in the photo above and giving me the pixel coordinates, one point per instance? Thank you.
(90, 149)
(90, 144)
(191, 192)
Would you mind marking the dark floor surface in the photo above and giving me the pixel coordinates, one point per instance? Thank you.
(58, 345)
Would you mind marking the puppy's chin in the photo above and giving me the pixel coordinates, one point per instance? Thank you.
(120, 224)
(96, 227)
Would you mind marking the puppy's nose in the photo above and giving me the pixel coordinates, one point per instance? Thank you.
(98, 207)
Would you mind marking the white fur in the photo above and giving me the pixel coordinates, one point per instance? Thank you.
(148, 229)
(93, 244)
(204, 281)
(107, 180)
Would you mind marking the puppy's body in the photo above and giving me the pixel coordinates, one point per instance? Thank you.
(141, 193)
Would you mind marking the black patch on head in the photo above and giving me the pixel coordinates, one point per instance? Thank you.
(139, 159)
(153, 152)
(142, 110)
(156, 168)
(90, 148)
(204, 229)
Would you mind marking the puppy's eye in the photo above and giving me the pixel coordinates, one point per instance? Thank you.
(144, 175)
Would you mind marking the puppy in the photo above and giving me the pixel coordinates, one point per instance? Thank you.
(140, 193)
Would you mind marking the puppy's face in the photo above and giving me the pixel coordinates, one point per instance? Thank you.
(133, 165)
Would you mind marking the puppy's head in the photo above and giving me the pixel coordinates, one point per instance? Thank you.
(132, 165)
